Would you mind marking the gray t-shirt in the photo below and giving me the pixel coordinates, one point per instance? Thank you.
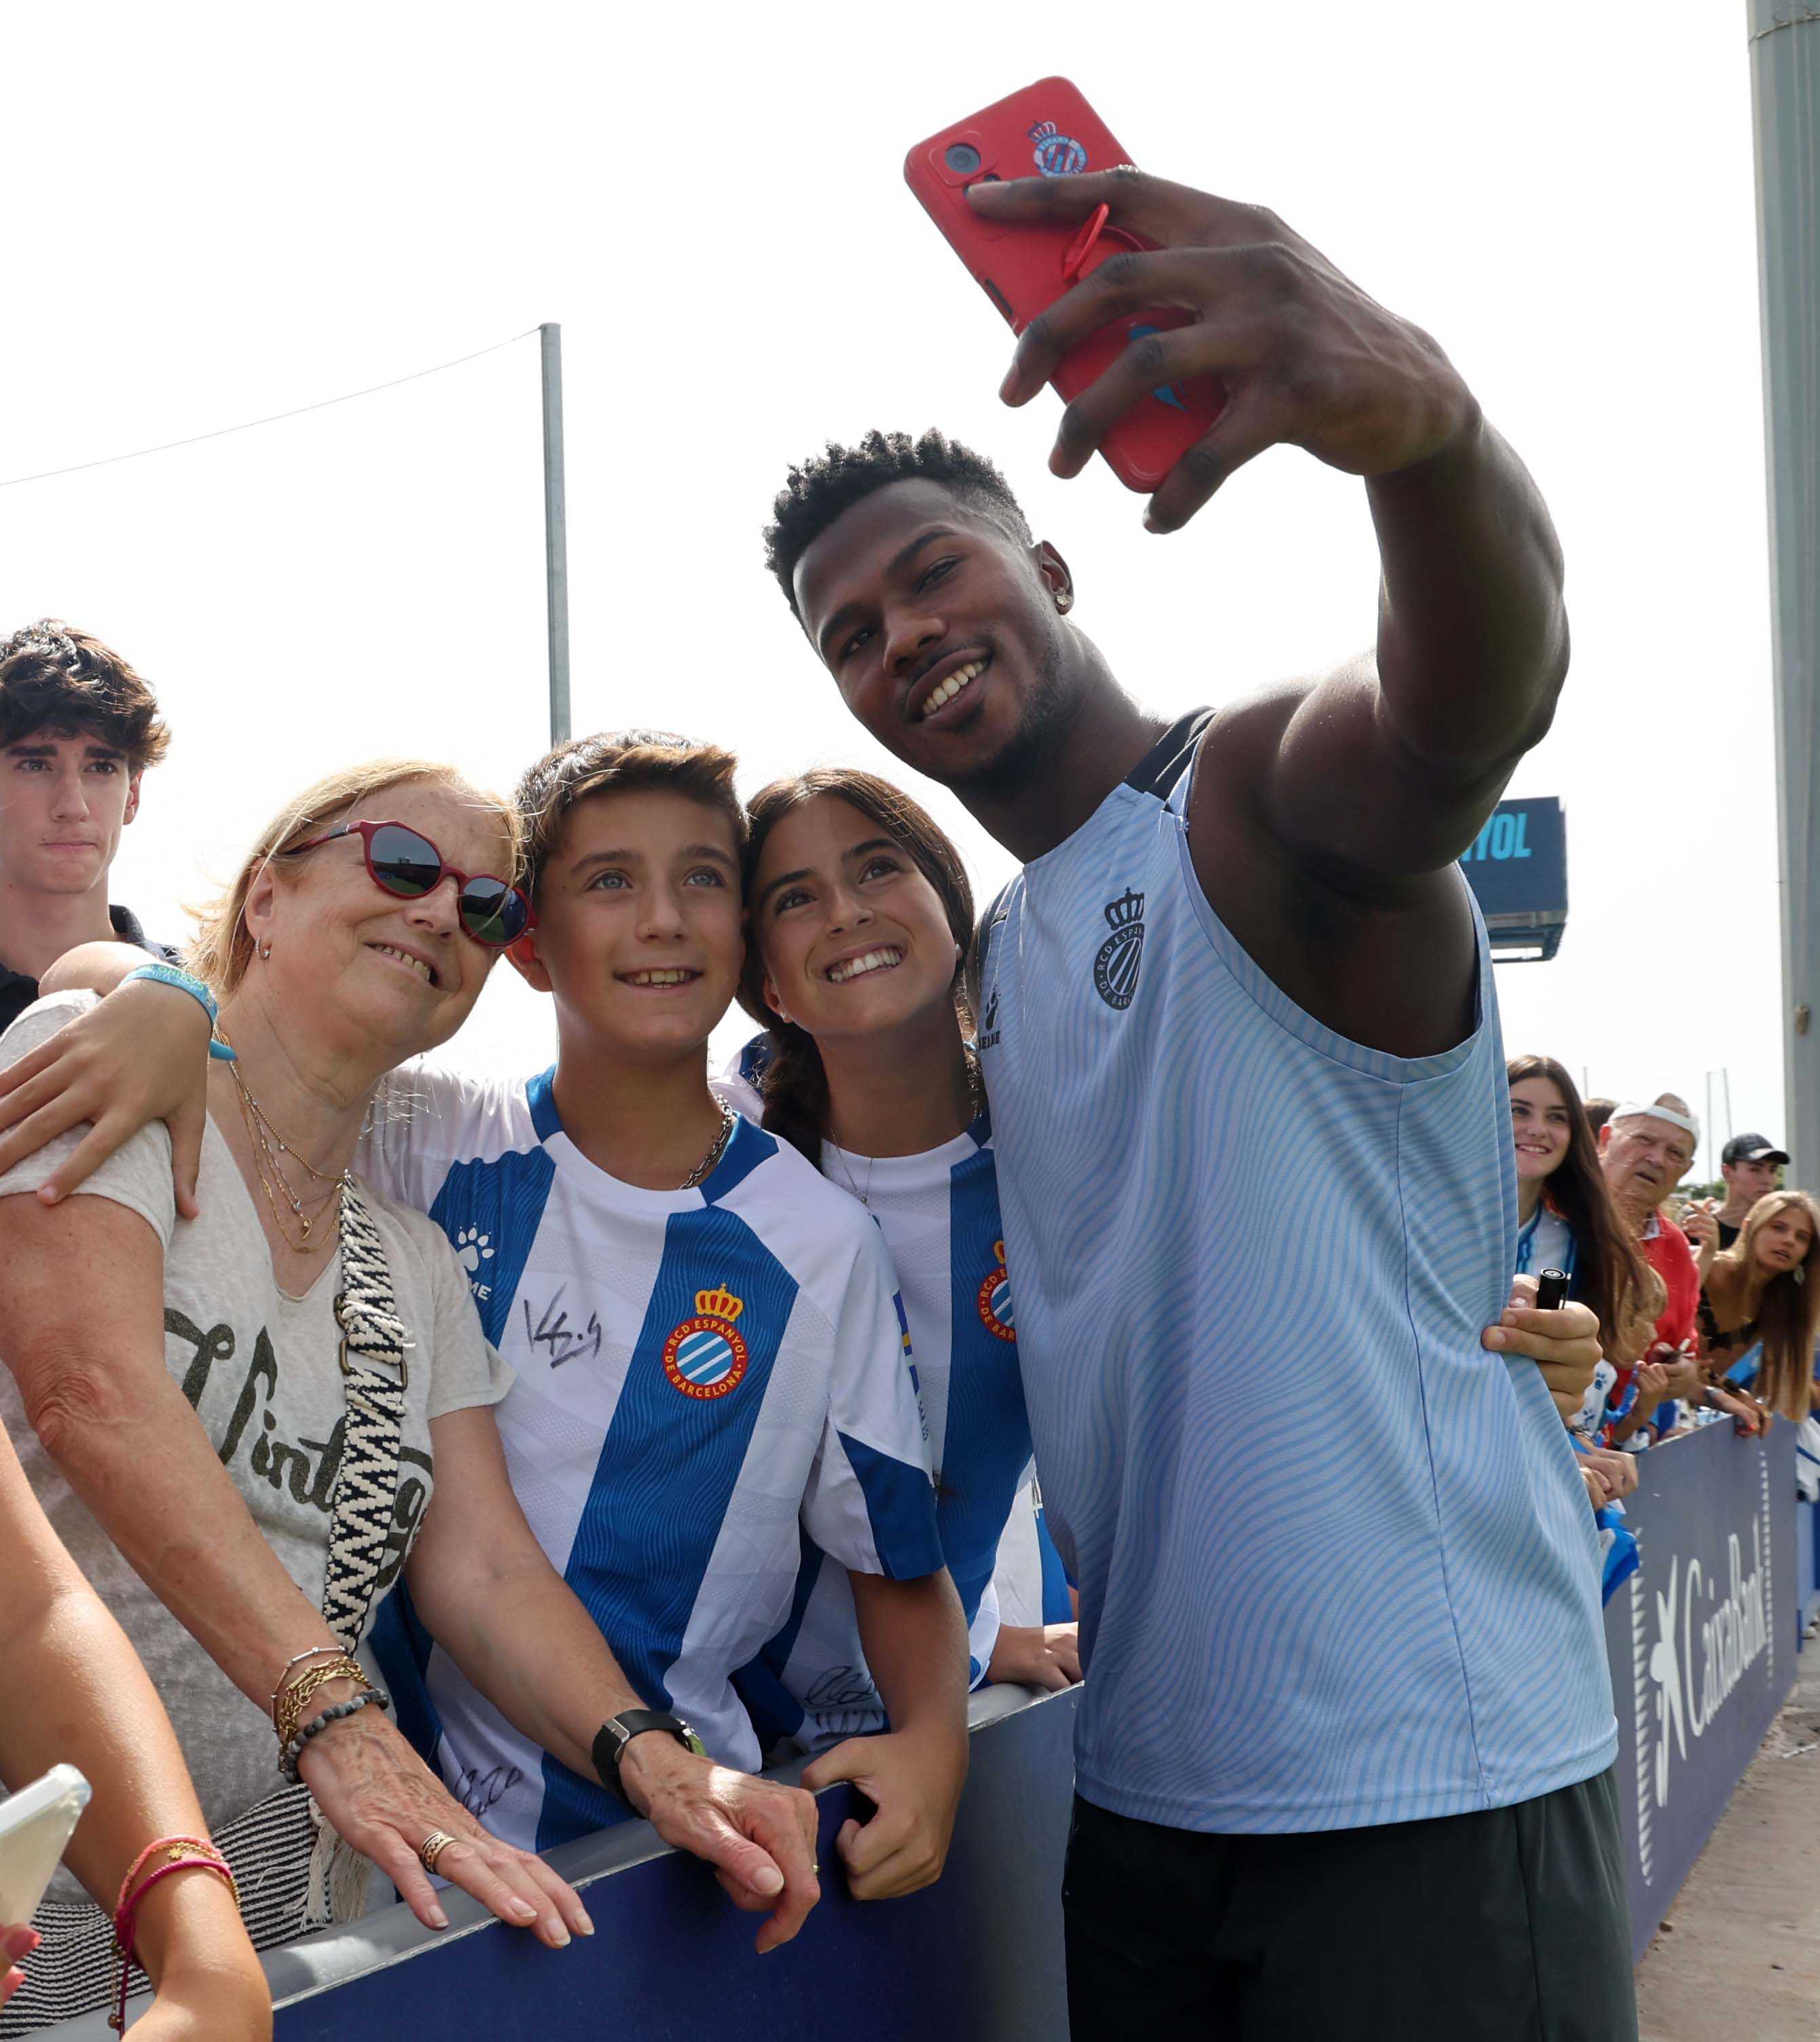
(261, 1369)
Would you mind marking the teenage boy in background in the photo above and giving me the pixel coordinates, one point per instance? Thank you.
(706, 1332)
(77, 729)
(1750, 1165)
(1240, 954)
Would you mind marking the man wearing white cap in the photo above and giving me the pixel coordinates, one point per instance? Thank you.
(1645, 1150)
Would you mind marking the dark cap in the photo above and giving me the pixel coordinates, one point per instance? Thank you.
(1752, 1149)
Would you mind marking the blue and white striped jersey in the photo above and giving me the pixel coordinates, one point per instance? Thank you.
(700, 1373)
(1220, 1215)
(938, 1212)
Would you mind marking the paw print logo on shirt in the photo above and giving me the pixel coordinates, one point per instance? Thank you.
(472, 1249)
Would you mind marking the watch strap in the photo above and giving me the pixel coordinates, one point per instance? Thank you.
(618, 1731)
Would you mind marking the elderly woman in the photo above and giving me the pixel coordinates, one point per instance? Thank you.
(242, 1423)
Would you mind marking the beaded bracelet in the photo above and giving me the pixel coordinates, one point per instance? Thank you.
(170, 974)
(334, 1713)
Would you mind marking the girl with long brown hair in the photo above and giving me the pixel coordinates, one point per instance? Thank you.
(1760, 1306)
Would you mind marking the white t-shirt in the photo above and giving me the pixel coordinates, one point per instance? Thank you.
(261, 1369)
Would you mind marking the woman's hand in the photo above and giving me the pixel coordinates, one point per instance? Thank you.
(915, 1782)
(758, 1834)
(1037, 1655)
(1563, 1343)
(381, 1797)
(16, 1943)
(1617, 1472)
(1746, 1413)
(142, 1055)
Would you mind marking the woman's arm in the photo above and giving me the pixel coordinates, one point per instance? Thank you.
(78, 1695)
(488, 1595)
(81, 1304)
(915, 1645)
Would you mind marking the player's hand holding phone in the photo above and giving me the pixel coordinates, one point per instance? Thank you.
(1305, 357)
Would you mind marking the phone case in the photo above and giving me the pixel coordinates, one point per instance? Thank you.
(1049, 129)
(35, 1827)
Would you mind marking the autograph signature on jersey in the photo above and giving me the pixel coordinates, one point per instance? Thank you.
(558, 1340)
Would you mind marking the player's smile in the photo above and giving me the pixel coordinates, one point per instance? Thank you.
(949, 690)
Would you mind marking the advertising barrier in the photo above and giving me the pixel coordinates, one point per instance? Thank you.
(1702, 1640)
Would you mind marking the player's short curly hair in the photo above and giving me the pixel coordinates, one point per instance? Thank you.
(828, 483)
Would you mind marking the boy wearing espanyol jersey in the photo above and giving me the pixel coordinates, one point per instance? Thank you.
(710, 1354)
(1344, 1754)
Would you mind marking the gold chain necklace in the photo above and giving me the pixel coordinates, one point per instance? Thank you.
(268, 1145)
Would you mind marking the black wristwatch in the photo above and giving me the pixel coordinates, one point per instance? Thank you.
(612, 1737)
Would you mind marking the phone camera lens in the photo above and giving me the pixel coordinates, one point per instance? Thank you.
(963, 158)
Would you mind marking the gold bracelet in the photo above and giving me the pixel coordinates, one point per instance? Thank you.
(297, 1659)
(291, 1707)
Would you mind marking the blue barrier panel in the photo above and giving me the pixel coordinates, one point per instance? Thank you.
(975, 1958)
(1807, 1564)
(1702, 1643)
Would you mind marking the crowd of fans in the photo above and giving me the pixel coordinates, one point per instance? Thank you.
(1709, 1307)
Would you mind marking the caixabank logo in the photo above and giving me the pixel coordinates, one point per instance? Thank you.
(1695, 1636)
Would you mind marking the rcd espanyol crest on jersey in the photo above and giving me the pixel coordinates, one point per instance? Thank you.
(1115, 968)
(995, 1299)
(1057, 155)
(705, 1356)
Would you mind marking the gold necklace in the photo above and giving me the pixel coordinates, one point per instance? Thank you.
(268, 1144)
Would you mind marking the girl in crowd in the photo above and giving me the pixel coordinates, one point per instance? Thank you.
(1565, 1221)
(77, 1696)
(201, 1407)
(860, 915)
(1760, 1307)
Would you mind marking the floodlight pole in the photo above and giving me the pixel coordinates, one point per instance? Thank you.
(1785, 91)
(555, 532)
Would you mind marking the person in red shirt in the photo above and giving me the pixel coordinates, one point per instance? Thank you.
(1645, 1151)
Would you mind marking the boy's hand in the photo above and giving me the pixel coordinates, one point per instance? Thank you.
(1305, 357)
(142, 1055)
(1564, 1342)
(1037, 1655)
(915, 1782)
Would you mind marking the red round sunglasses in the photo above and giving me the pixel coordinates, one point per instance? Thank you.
(404, 861)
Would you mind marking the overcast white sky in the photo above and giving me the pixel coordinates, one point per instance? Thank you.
(218, 212)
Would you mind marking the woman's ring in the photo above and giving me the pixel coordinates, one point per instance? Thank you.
(432, 1848)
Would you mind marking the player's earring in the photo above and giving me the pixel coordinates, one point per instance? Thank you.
(1064, 600)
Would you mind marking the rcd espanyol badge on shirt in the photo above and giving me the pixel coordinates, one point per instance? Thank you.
(705, 1356)
(1057, 155)
(995, 1299)
(1115, 968)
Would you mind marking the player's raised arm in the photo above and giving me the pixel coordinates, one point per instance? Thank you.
(1384, 769)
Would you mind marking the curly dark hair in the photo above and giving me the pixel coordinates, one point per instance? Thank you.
(828, 483)
(56, 678)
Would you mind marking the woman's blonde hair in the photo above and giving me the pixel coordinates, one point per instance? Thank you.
(224, 948)
(1788, 1312)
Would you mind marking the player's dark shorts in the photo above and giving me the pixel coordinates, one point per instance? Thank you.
(1507, 1925)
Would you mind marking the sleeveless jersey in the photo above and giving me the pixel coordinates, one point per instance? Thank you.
(707, 1380)
(1223, 1217)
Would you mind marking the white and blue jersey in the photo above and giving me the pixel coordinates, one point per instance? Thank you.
(938, 1212)
(1219, 1214)
(703, 1377)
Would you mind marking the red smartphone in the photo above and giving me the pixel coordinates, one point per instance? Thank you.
(1049, 130)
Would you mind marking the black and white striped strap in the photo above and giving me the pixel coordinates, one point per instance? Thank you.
(375, 1343)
